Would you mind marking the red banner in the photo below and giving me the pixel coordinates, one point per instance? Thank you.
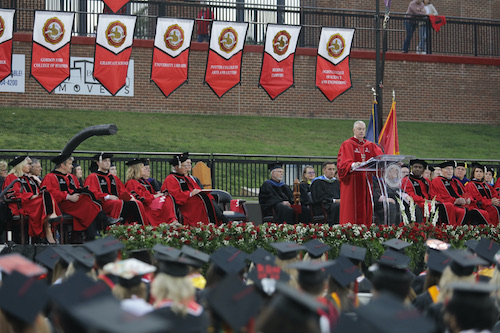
(111, 69)
(5, 59)
(332, 80)
(169, 73)
(223, 74)
(115, 5)
(276, 77)
(50, 68)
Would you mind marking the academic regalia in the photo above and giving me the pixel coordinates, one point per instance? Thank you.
(356, 204)
(194, 209)
(84, 211)
(305, 193)
(195, 321)
(271, 196)
(497, 186)
(38, 209)
(103, 184)
(418, 188)
(464, 180)
(324, 190)
(158, 210)
(482, 193)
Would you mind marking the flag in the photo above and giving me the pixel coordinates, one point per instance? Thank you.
(276, 74)
(333, 76)
(372, 130)
(113, 49)
(389, 135)
(437, 21)
(51, 48)
(223, 71)
(6, 32)
(171, 53)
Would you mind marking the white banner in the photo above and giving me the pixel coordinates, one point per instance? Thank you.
(15, 82)
(81, 81)
(173, 36)
(52, 30)
(6, 24)
(335, 44)
(115, 32)
(227, 38)
(281, 40)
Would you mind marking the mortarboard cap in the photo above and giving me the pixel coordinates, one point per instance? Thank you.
(234, 301)
(78, 288)
(287, 250)
(265, 276)
(23, 297)
(486, 249)
(177, 267)
(262, 256)
(64, 255)
(471, 244)
(393, 259)
(129, 271)
(417, 161)
(436, 244)
(106, 315)
(82, 257)
(16, 262)
(93, 167)
(48, 257)
(200, 258)
(438, 261)
(101, 156)
(178, 159)
(229, 259)
(162, 250)
(143, 255)
(343, 271)
(135, 161)
(461, 164)
(447, 164)
(276, 165)
(295, 304)
(316, 248)
(103, 246)
(477, 165)
(17, 160)
(353, 252)
(463, 262)
(311, 271)
(59, 159)
(471, 292)
(396, 244)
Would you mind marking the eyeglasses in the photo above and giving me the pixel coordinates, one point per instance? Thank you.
(311, 172)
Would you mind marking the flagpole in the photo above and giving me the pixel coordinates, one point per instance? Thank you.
(378, 72)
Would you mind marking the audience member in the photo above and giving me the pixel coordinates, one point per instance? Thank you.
(489, 176)
(415, 9)
(3, 172)
(461, 172)
(276, 198)
(416, 185)
(325, 191)
(405, 170)
(429, 10)
(308, 174)
(356, 198)
(113, 170)
(189, 169)
(78, 173)
(483, 194)
(36, 170)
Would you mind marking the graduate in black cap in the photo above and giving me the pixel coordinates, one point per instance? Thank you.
(35, 202)
(342, 275)
(74, 200)
(116, 201)
(159, 206)
(106, 250)
(195, 205)
(458, 205)
(276, 198)
(357, 254)
(484, 195)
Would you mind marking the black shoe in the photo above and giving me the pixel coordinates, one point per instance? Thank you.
(111, 221)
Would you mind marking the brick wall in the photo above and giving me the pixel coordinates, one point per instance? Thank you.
(428, 88)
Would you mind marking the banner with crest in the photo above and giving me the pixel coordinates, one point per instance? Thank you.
(113, 48)
(6, 33)
(51, 48)
(333, 76)
(169, 68)
(277, 72)
(223, 70)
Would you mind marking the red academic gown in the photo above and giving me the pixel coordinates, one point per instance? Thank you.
(38, 209)
(355, 198)
(482, 193)
(103, 184)
(198, 208)
(446, 192)
(159, 210)
(418, 188)
(497, 186)
(84, 211)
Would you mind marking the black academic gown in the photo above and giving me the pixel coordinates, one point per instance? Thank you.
(323, 191)
(192, 322)
(271, 197)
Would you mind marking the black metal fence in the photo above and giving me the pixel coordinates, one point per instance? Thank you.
(461, 36)
(241, 175)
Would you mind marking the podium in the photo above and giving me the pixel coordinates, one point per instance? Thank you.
(386, 171)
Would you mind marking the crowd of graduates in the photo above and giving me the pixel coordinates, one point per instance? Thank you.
(93, 288)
